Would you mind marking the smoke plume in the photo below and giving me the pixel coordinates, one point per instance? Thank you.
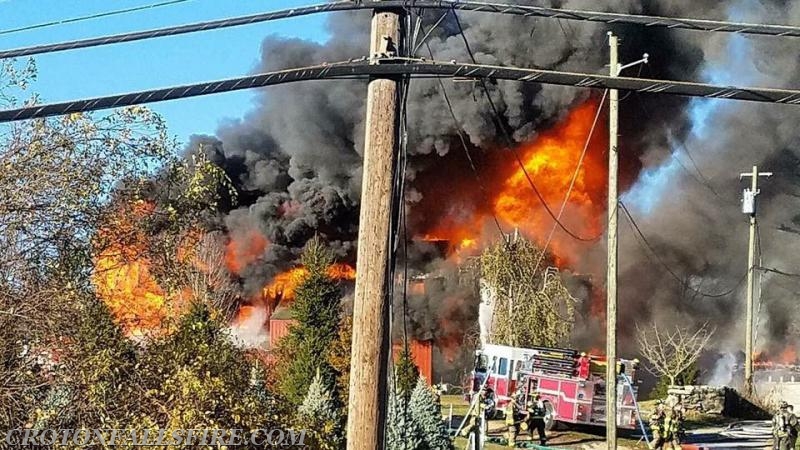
(295, 158)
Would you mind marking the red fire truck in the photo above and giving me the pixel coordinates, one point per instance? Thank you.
(571, 393)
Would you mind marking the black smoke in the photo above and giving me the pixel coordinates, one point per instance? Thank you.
(295, 157)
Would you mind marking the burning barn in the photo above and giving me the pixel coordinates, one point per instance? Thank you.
(677, 160)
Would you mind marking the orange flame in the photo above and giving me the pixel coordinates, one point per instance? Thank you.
(549, 160)
(241, 251)
(285, 284)
(788, 356)
(244, 314)
(122, 275)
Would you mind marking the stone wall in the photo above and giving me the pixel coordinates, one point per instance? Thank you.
(721, 401)
(713, 399)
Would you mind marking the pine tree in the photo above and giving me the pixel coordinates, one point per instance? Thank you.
(402, 431)
(339, 358)
(406, 373)
(427, 416)
(320, 416)
(316, 312)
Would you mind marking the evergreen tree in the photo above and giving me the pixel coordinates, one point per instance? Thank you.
(427, 416)
(406, 373)
(316, 313)
(320, 416)
(339, 358)
(402, 432)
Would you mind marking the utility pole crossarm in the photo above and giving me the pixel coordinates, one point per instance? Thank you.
(760, 174)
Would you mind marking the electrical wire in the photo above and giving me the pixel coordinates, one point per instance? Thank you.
(428, 33)
(90, 17)
(572, 181)
(463, 140)
(399, 213)
(384, 67)
(646, 243)
(759, 285)
(780, 272)
(464, 5)
(511, 145)
(703, 180)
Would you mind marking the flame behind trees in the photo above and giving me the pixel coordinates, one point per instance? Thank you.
(310, 342)
(151, 257)
(58, 176)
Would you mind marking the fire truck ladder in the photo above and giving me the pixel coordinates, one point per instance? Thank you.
(474, 404)
(636, 405)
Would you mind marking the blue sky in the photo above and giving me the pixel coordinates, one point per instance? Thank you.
(152, 63)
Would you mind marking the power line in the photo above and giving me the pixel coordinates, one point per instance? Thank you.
(703, 180)
(646, 243)
(511, 145)
(463, 5)
(780, 272)
(403, 66)
(91, 17)
(465, 147)
(574, 178)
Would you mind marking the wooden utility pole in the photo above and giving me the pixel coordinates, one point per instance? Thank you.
(749, 207)
(366, 417)
(611, 276)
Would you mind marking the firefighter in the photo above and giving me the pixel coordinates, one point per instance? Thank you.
(535, 417)
(784, 428)
(477, 415)
(657, 425)
(512, 416)
(437, 395)
(584, 362)
(795, 430)
(673, 426)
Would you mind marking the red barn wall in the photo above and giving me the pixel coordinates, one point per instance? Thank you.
(421, 351)
(278, 328)
(421, 354)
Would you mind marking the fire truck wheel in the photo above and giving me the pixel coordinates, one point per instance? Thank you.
(549, 417)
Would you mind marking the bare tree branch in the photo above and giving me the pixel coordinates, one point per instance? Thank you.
(670, 352)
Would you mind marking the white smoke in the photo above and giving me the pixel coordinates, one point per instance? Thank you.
(251, 331)
(722, 375)
(486, 311)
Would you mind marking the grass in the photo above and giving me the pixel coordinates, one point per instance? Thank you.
(586, 437)
(460, 407)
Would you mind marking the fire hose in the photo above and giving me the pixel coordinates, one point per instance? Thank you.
(752, 429)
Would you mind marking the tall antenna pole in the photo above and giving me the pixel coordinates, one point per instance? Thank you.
(611, 276)
(366, 417)
(749, 207)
